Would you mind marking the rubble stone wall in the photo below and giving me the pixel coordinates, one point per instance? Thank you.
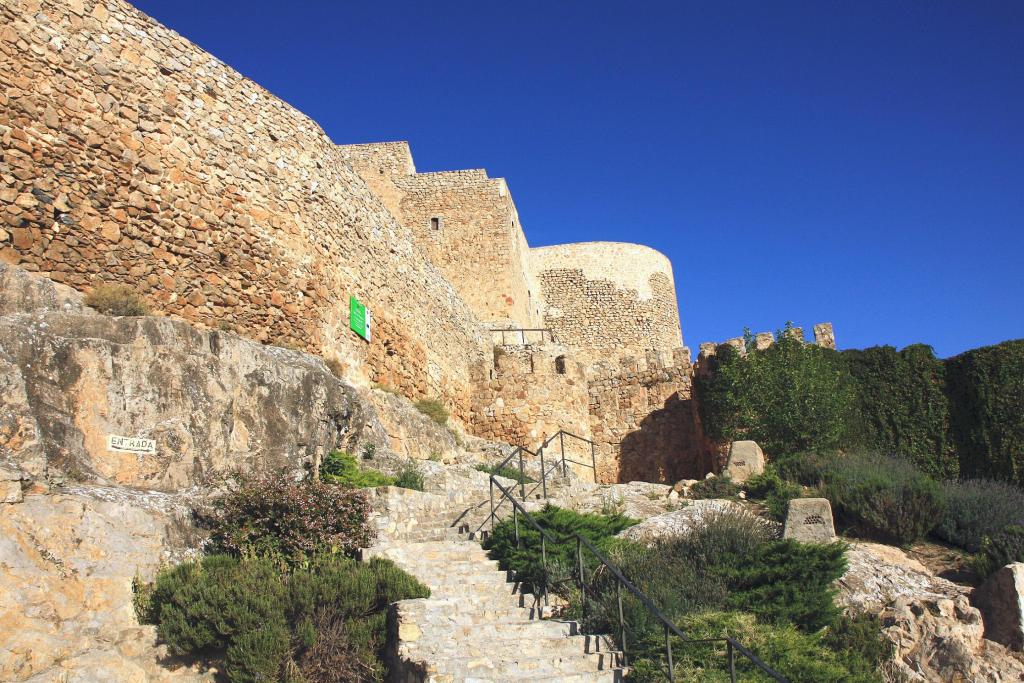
(533, 391)
(608, 300)
(131, 155)
(644, 417)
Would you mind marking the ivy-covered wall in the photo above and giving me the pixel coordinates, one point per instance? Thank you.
(959, 417)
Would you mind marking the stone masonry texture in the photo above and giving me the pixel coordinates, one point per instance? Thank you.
(129, 155)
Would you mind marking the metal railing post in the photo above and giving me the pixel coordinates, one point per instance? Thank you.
(593, 459)
(543, 473)
(491, 481)
(668, 652)
(524, 336)
(515, 521)
(561, 442)
(583, 585)
(622, 623)
(522, 476)
(732, 662)
(544, 563)
(502, 337)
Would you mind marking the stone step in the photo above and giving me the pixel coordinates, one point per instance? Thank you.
(512, 647)
(506, 667)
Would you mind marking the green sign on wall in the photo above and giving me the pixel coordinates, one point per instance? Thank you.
(358, 318)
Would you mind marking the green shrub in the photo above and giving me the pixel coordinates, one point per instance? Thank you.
(705, 578)
(341, 468)
(800, 657)
(257, 619)
(901, 405)
(859, 638)
(986, 392)
(270, 514)
(884, 498)
(774, 491)
(508, 472)
(1000, 549)
(434, 409)
(410, 477)
(561, 525)
(804, 468)
(976, 508)
(789, 397)
(116, 299)
(714, 487)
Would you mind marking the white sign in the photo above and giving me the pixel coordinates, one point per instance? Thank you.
(130, 444)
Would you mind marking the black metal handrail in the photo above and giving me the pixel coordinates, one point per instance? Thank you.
(732, 646)
(561, 435)
(522, 333)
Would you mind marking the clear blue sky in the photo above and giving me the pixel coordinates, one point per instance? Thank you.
(860, 162)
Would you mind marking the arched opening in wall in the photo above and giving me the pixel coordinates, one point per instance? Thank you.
(560, 365)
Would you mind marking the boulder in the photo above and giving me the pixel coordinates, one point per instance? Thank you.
(745, 460)
(1001, 601)
(809, 520)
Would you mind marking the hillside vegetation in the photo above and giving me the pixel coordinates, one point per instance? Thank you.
(963, 416)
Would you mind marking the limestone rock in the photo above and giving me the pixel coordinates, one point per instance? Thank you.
(67, 561)
(745, 460)
(937, 633)
(680, 521)
(940, 639)
(211, 401)
(1001, 599)
(24, 292)
(809, 520)
(878, 575)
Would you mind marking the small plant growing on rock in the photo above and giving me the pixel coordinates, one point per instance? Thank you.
(411, 477)
(116, 299)
(342, 468)
(434, 409)
(369, 450)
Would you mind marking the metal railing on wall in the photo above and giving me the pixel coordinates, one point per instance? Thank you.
(625, 633)
(521, 336)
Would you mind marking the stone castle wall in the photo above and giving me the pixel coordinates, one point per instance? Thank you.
(608, 300)
(466, 222)
(131, 155)
(532, 392)
(643, 414)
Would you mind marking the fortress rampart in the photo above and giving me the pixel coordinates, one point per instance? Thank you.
(132, 156)
(609, 299)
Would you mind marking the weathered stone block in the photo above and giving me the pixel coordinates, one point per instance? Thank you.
(1001, 601)
(809, 520)
(745, 460)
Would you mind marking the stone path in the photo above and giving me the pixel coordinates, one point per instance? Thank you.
(476, 626)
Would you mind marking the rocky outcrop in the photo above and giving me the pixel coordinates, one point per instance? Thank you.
(677, 523)
(938, 635)
(67, 561)
(211, 401)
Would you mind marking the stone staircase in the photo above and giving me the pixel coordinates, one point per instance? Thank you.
(477, 625)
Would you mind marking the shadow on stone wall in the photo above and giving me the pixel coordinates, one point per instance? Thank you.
(670, 445)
